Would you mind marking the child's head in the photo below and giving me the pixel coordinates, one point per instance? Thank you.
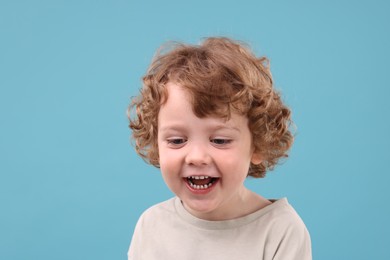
(221, 76)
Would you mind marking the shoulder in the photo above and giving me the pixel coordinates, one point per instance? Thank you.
(279, 211)
(150, 223)
(283, 218)
(162, 210)
(150, 220)
(288, 232)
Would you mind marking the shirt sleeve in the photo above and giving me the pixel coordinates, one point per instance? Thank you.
(295, 244)
(136, 241)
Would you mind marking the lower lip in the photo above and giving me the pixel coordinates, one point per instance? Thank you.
(201, 191)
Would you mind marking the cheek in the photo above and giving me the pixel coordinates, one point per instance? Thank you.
(166, 169)
(162, 154)
(237, 165)
(164, 162)
(170, 171)
(168, 162)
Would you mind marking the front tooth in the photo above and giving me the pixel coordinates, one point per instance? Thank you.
(196, 177)
(201, 177)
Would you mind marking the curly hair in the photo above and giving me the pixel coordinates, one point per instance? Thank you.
(222, 75)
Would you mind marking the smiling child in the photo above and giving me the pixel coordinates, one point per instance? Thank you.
(209, 117)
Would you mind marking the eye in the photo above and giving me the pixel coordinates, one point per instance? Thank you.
(176, 141)
(221, 141)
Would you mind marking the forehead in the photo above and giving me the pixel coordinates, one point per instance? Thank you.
(178, 111)
(218, 101)
(176, 91)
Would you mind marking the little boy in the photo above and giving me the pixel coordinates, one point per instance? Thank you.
(208, 117)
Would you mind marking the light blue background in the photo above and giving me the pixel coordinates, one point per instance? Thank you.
(71, 186)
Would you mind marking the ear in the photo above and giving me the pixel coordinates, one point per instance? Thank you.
(256, 158)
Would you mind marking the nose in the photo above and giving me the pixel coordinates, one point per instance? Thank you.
(198, 155)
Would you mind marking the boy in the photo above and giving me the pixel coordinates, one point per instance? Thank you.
(208, 117)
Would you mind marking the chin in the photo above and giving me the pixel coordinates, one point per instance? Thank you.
(199, 207)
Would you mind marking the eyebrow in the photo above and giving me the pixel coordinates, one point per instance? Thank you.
(174, 127)
(179, 127)
(228, 127)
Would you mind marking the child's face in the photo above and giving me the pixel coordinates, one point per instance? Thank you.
(204, 161)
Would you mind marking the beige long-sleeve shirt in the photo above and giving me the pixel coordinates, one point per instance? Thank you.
(168, 231)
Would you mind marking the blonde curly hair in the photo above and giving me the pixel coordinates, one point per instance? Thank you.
(221, 75)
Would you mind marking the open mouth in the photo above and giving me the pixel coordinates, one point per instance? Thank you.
(201, 182)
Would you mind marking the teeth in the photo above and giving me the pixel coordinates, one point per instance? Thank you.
(200, 187)
(199, 177)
